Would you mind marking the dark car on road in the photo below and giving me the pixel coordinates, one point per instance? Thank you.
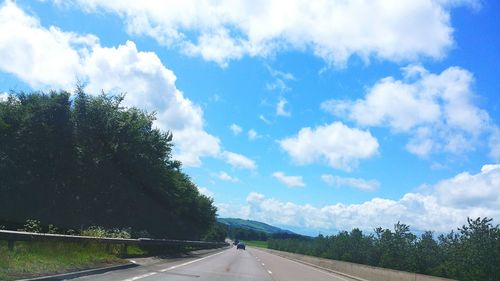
(240, 246)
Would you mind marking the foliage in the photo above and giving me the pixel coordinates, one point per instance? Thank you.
(30, 259)
(217, 233)
(256, 243)
(246, 234)
(78, 160)
(32, 226)
(472, 253)
(251, 224)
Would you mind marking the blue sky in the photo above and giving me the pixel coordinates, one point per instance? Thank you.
(315, 118)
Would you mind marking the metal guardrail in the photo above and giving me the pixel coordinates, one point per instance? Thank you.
(12, 236)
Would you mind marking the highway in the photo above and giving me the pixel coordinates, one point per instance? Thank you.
(229, 264)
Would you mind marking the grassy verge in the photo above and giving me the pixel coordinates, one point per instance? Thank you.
(260, 244)
(31, 259)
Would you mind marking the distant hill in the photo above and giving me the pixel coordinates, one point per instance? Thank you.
(252, 225)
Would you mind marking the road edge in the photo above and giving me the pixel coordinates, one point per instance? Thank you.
(75, 274)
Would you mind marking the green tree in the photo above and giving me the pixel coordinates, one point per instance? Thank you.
(75, 161)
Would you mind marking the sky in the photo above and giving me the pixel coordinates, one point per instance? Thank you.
(314, 116)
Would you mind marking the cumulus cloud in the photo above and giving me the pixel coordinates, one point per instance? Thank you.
(362, 184)
(51, 58)
(444, 207)
(40, 56)
(436, 110)
(340, 146)
(290, 181)
(280, 108)
(221, 31)
(238, 161)
(235, 129)
(226, 177)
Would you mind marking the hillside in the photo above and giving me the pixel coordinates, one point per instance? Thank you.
(252, 225)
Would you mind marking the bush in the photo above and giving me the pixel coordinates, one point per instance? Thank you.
(32, 226)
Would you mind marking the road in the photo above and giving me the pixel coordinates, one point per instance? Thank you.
(225, 265)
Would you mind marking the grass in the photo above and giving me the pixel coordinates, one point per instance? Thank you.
(31, 259)
(255, 243)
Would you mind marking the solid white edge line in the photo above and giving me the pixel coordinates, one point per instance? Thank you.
(170, 268)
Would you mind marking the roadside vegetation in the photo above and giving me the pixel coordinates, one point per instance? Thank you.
(256, 243)
(471, 253)
(75, 161)
(31, 259)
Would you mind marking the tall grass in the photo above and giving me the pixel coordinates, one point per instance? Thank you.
(30, 259)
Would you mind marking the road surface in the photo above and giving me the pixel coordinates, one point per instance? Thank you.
(230, 264)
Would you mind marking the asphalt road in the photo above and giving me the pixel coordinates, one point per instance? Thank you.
(230, 264)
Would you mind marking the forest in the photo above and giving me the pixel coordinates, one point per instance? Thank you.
(470, 253)
(77, 160)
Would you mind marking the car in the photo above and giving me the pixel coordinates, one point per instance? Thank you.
(236, 242)
(240, 246)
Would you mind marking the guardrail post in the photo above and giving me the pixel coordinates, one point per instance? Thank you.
(10, 245)
(124, 250)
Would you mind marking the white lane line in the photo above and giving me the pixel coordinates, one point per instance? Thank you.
(170, 268)
(263, 264)
(270, 272)
(189, 262)
(140, 276)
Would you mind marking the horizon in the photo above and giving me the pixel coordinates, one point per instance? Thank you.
(314, 120)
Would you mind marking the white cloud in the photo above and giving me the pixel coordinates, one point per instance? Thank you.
(220, 31)
(226, 177)
(264, 119)
(280, 80)
(494, 144)
(280, 108)
(290, 181)
(340, 146)
(436, 110)
(253, 135)
(366, 185)
(445, 207)
(235, 129)
(51, 58)
(205, 191)
(151, 86)
(4, 96)
(238, 161)
(39, 56)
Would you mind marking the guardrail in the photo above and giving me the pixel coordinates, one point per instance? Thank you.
(12, 236)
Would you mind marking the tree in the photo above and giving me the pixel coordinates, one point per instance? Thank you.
(78, 160)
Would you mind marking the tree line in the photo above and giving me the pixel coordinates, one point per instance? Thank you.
(220, 231)
(77, 160)
(470, 253)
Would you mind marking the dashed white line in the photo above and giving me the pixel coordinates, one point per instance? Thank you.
(270, 272)
(263, 264)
